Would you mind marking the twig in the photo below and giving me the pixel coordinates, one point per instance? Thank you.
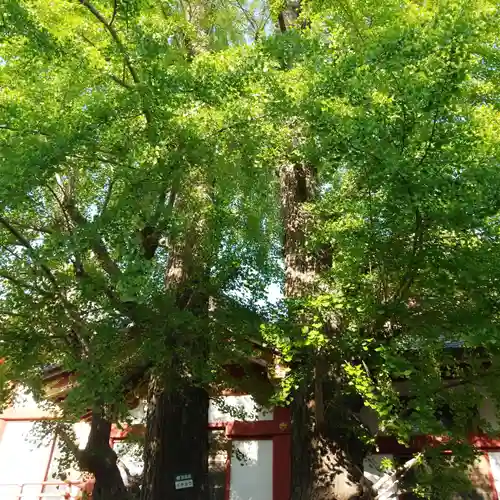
(121, 82)
(4, 126)
(248, 17)
(108, 197)
(66, 439)
(48, 273)
(59, 202)
(409, 275)
(114, 35)
(115, 10)
(111, 30)
(238, 123)
(163, 10)
(96, 158)
(23, 284)
(430, 140)
(14, 315)
(394, 478)
(281, 22)
(26, 244)
(35, 227)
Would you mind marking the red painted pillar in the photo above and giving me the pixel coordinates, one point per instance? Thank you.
(282, 449)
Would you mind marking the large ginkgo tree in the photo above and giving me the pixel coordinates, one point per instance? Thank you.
(134, 176)
(390, 204)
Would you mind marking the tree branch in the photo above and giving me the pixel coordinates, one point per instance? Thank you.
(450, 384)
(97, 158)
(38, 229)
(59, 203)
(81, 274)
(238, 123)
(98, 247)
(409, 275)
(73, 314)
(249, 18)
(62, 434)
(118, 80)
(115, 10)
(26, 244)
(429, 140)
(114, 35)
(5, 126)
(390, 480)
(121, 82)
(14, 314)
(281, 22)
(108, 197)
(151, 233)
(24, 285)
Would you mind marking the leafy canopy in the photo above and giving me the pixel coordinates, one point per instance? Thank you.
(395, 105)
(125, 128)
(113, 112)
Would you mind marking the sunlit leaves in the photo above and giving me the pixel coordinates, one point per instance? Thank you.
(178, 115)
(120, 120)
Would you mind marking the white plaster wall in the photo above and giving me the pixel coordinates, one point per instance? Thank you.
(251, 470)
(138, 414)
(238, 405)
(373, 472)
(130, 460)
(480, 477)
(21, 461)
(23, 399)
(82, 431)
(223, 409)
(487, 411)
(494, 457)
(369, 418)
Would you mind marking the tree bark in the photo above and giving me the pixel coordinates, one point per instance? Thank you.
(326, 455)
(99, 459)
(327, 458)
(176, 441)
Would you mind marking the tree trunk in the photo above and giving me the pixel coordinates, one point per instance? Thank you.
(327, 459)
(176, 441)
(326, 456)
(99, 459)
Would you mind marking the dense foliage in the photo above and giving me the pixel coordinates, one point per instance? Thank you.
(120, 130)
(396, 109)
(127, 127)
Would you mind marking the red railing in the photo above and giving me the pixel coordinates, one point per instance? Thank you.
(21, 491)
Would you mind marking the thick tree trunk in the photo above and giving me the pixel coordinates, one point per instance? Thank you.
(176, 441)
(327, 459)
(99, 459)
(326, 456)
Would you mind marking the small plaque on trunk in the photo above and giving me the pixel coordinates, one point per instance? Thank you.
(183, 481)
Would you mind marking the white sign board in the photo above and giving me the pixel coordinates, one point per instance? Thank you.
(183, 481)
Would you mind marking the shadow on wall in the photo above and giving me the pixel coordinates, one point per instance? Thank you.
(473, 495)
(480, 479)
